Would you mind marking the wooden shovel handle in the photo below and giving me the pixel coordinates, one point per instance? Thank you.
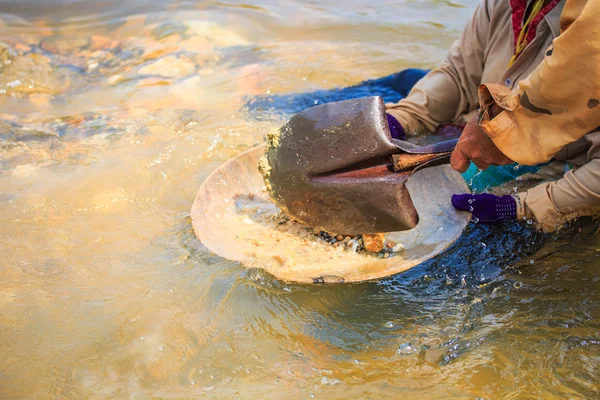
(408, 161)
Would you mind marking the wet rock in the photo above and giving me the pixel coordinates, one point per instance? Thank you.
(167, 29)
(154, 82)
(92, 66)
(398, 248)
(43, 29)
(49, 46)
(406, 349)
(64, 46)
(6, 55)
(102, 43)
(172, 41)
(40, 100)
(25, 171)
(354, 245)
(132, 25)
(170, 67)
(155, 52)
(14, 132)
(219, 36)
(196, 44)
(330, 381)
(115, 79)
(374, 242)
(101, 55)
(32, 73)
(23, 48)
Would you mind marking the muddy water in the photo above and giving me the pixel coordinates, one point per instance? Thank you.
(105, 292)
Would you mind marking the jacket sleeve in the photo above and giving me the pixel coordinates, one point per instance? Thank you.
(560, 102)
(450, 90)
(577, 193)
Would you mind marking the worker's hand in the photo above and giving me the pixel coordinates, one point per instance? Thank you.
(487, 208)
(449, 131)
(396, 129)
(474, 145)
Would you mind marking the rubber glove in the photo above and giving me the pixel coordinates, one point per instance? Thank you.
(487, 208)
(395, 128)
(449, 131)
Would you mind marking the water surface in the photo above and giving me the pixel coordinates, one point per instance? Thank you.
(106, 293)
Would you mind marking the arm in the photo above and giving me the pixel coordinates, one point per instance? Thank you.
(559, 102)
(575, 194)
(449, 91)
(550, 204)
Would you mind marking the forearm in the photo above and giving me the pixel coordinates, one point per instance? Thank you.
(550, 204)
(434, 100)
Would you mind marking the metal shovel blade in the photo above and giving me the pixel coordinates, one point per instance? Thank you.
(330, 168)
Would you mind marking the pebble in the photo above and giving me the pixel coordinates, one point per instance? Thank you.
(114, 79)
(374, 242)
(154, 82)
(50, 47)
(102, 43)
(41, 100)
(398, 247)
(170, 67)
(220, 36)
(35, 69)
(22, 47)
(330, 381)
(353, 245)
(151, 54)
(92, 66)
(167, 29)
(406, 349)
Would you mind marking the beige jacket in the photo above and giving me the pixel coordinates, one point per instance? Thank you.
(546, 115)
(482, 55)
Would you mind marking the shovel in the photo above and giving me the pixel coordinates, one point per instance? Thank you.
(336, 167)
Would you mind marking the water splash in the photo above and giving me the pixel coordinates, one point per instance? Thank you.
(470, 183)
(406, 349)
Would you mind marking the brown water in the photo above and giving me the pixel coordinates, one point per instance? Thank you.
(106, 293)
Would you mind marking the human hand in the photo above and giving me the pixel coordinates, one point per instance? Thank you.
(474, 145)
(487, 208)
(395, 128)
(449, 131)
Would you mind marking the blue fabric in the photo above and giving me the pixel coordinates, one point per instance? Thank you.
(392, 88)
(495, 175)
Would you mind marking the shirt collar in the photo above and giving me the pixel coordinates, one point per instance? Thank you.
(553, 18)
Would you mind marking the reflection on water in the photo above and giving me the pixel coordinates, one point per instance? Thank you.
(113, 113)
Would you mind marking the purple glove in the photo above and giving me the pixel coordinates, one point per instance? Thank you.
(395, 128)
(449, 131)
(487, 208)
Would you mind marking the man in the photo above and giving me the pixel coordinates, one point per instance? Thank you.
(536, 67)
